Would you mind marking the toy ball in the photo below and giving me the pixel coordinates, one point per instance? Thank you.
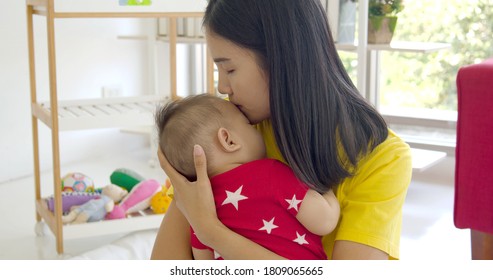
(77, 182)
(160, 201)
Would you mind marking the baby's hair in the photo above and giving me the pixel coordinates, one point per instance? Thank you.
(184, 123)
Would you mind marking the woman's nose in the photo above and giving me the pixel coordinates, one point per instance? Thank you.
(223, 85)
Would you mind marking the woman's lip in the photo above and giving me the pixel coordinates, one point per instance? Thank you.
(240, 108)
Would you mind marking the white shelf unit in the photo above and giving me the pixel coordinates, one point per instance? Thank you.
(95, 113)
(101, 113)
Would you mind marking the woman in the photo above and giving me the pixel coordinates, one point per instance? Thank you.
(278, 64)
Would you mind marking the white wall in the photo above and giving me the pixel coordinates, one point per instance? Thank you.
(89, 56)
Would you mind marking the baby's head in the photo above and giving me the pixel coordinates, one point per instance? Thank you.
(217, 125)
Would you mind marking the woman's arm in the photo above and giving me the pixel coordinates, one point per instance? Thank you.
(173, 238)
(231, 245)
(202, 254)
(349, 250)
(195, 201)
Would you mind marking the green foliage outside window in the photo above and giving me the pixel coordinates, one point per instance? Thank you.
(427, 80)
(385, 7)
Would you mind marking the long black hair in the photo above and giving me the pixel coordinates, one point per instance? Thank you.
(321, 123)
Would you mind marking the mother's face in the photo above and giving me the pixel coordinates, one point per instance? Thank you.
(240, 77)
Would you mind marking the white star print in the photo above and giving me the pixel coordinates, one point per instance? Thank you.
(233, 198)
(216, 255)
(268, 226)
(293, 203)
(300, 239)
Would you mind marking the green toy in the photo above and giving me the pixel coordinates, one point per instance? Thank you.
(125, 178)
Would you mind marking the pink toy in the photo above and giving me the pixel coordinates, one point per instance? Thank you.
(138, 199)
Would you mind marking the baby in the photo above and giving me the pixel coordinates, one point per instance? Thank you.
(257, 197)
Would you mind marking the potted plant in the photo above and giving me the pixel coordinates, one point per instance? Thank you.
(382, 19)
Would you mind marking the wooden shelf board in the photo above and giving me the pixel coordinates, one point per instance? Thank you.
(113, 6)
(46, 214)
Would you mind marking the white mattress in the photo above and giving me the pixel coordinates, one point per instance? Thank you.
(134, 246)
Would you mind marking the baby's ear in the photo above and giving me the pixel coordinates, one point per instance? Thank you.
(227, 140)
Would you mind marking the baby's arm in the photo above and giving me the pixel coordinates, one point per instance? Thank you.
(319, 213)
(202, 254)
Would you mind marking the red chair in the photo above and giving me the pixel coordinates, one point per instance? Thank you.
(473, 206)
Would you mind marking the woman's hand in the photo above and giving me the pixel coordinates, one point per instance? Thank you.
(194, 199)
(196, 203)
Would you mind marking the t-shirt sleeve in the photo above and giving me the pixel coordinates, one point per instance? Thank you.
(372, 200)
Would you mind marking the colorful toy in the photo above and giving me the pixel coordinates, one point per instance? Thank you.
(125, 178)
(169, 187)
(77, 182)
(115, 192)
(70, 199)
(161, 201)
(138, 199)
(95, 209)
(92, 211)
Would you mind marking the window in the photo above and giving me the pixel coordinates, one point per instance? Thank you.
(415, 80)
(417, 91)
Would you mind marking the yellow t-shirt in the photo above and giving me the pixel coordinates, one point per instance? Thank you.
(371, 201)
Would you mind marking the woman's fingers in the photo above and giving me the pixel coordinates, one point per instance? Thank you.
(195, 200)
(200, 165)
(171, 172)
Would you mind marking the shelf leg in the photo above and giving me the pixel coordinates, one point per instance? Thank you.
(34, 121)
(50, 21)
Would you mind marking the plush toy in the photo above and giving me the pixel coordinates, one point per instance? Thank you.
(70, 199)
(92, 211)
(138, 199)
(95, 209)
(125, 178)
(169, 187)
(161, 200)
(77, 182)
(115, 192)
